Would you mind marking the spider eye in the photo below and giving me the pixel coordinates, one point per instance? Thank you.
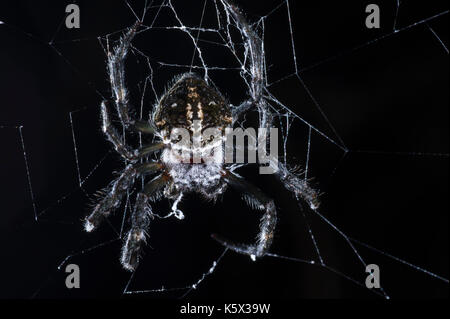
(177, 139)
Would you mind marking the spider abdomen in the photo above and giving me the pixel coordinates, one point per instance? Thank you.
(188, 101)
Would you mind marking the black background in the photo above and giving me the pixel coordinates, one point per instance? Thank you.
(387, 100)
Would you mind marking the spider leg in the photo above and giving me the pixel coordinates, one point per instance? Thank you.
(114, 137)
(299, 187)
(257, 200)
(255, 55)
(140, 221)
(143, 127)
(118, 189)
(116, 70)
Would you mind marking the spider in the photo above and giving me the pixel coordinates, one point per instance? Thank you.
(189, 99)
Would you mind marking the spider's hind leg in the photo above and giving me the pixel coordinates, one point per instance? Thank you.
(117, 140)
(258, 200)
(116, 70)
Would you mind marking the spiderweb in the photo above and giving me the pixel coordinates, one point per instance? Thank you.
(356, 109)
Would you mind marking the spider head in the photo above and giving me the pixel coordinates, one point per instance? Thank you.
(193, 105)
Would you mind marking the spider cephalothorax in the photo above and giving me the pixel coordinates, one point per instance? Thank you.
(193, 106)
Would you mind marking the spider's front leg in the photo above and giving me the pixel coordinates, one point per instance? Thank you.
(116, 192)
(299, 187)
(257, 200)
(140, 221)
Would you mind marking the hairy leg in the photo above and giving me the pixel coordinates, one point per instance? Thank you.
(298, 186)
(115, 193)
(140, 221)
(116, 70)
(257, 200)
(114, 137)
(255, 57)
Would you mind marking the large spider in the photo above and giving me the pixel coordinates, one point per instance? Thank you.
(189, 99)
